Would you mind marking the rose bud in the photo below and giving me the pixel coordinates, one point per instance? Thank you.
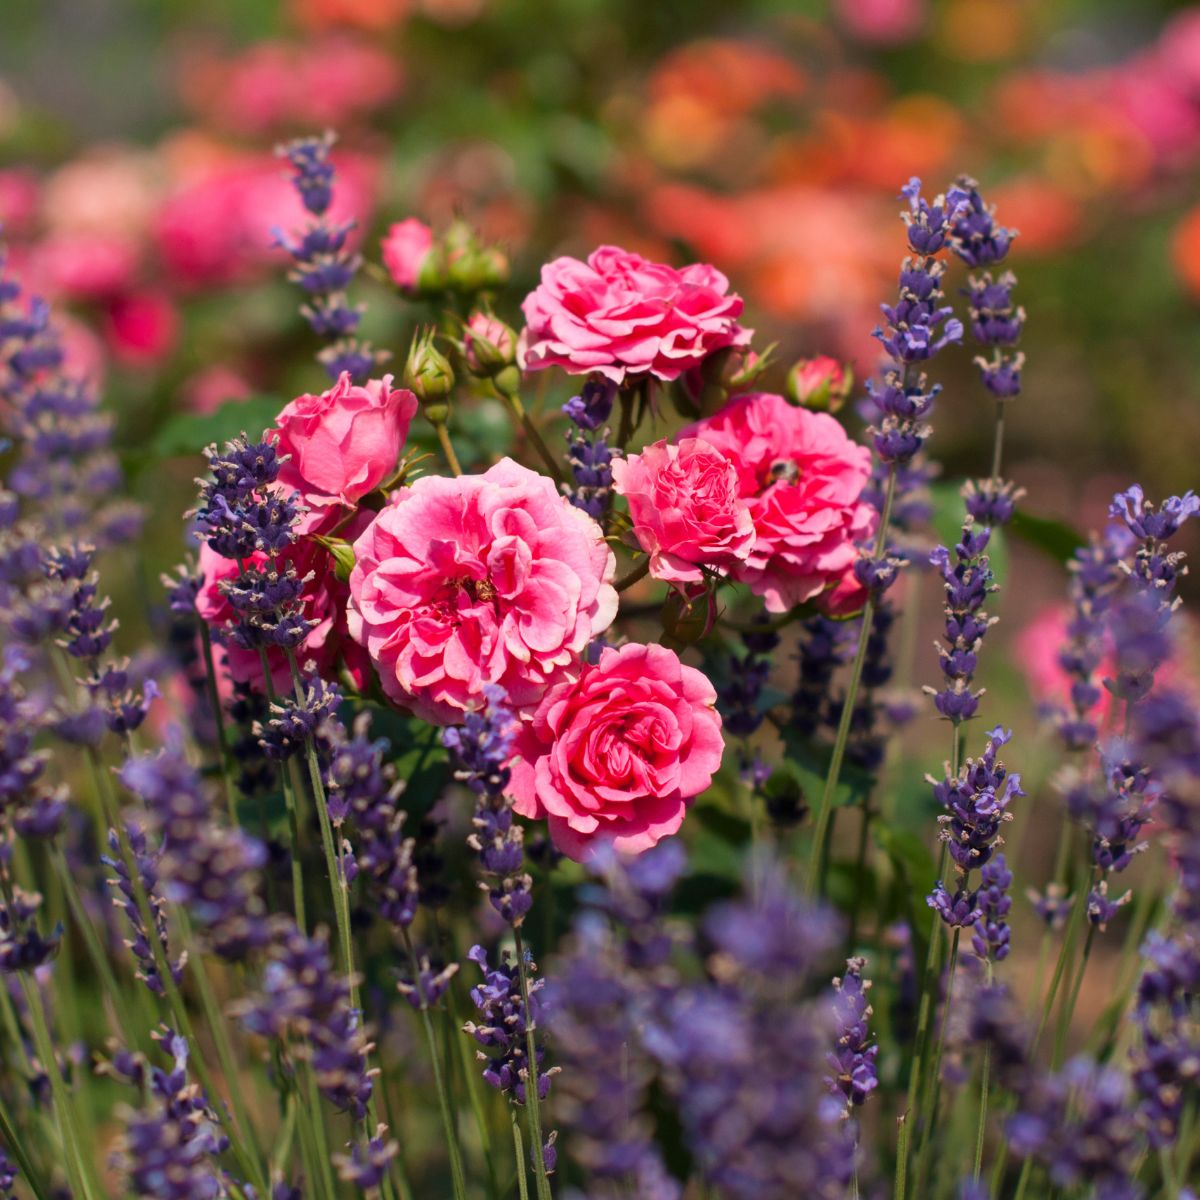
(689, 613)
(470, 265)
(429, 376)
(488, 345)
(820, 383)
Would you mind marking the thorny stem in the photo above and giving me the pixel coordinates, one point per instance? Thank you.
(825, 811)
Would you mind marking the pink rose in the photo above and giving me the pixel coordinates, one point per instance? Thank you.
(345, 442)
(142, 327)
(621, 315)
(820, 383)
(323, 602)
(406, 250)
(616, 756)
(802, 478)
(686, 509)
(490, 578)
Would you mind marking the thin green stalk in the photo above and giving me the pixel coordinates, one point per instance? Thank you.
(448, 1122)
(817, 854)
(532, 1100)
(533, 434)
(317, 1126)
(933, 1086)
(1064, 956)
(79, 1171)
(400, 1169)
(985, 1080)
(16, 1147)
(214, 702)
(519, 1152)
(634, 575)
(1068, 1010)
(96, 953)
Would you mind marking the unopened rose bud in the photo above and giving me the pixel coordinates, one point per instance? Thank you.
(415, 263)
(820, 383)
(429, 376)
(689, 613)
(488, 344)
(472, 266)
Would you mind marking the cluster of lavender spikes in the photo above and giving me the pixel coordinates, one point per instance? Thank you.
(324, 266)
(589, 454)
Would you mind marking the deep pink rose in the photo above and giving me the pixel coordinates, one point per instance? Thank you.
(142, 327)
(803, 479)
(328, 645)
(345, 442)
(406, 249)
(616, 756)
(621, 315)
(490, 578)
(686, 508)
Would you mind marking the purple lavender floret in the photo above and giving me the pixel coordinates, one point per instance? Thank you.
(366, 1166)
(503, 1023)
(1146, 521)
(483, 746)
(968, 582)
(324, 267)
(22, 945)
(146, 864)
(304, 999)
(853, 1058)
(992, 932)
(170, 1148)
(8, 1175)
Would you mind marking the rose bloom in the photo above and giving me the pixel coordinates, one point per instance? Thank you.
(490, 578)
(345, 442)
(616, 756)
(620, 315)
(802, 478)
(328, 645)
(142, 327)
(406, 247)
(686, 508)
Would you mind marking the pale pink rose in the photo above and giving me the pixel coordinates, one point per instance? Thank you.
(490, 578)
(345, 442)
(620, 315)
(802, 478)
(406, 249)
(686, 509)
(615, 757)
(328, 645)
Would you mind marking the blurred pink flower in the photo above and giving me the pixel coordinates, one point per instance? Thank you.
(885, 21)
(492, 578)
(616, 756)
(216, 227)
(406, 249)
(802, 478)
(142, 327)
(19, 194)
(619, 314)
(84, 266)
(212, 386)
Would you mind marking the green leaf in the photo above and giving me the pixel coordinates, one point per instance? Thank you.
(1055, 538)
(189, 433)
